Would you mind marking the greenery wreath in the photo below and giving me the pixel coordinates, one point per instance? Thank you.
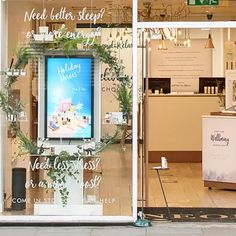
(13, 106)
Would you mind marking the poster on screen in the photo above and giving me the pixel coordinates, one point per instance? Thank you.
(219, 149)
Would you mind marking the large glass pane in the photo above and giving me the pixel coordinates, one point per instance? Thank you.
(67, 99)
(189, 80)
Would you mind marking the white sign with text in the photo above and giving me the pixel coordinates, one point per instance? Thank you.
(219, 149)
(184, 65)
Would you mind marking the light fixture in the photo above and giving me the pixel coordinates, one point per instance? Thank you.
(148, 35)
(125, 31)
(188, 42)
(181, 39)
(117, 35)
(228, 34)
(162, 44)
(209, 43)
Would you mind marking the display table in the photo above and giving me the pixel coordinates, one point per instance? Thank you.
(219, 150)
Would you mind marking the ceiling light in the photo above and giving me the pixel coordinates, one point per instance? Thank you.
(209, 43)
(162, 44)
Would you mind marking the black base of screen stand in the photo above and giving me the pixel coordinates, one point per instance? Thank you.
(18, 189)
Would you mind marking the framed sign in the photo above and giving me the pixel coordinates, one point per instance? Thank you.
(69, 97)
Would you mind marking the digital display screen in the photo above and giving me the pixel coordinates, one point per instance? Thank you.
(158, 84)
(69, 97)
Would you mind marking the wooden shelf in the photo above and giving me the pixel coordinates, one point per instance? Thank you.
(218, 113)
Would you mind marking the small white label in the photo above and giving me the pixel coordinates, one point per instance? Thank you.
(164, 162)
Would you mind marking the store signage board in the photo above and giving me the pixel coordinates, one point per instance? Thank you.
(219, 149)
(184, 65)
(203, 2)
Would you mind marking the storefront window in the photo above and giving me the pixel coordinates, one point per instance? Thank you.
(67, 103)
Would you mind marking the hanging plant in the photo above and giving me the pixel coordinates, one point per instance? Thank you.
(59, 176)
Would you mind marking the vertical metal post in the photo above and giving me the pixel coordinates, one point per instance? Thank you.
(164, 195)
(146, 123)
(135, 102)
(143, 185)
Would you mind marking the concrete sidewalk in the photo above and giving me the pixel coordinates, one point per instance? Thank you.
(158, 229)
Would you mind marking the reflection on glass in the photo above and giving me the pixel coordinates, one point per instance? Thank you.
(190, 10)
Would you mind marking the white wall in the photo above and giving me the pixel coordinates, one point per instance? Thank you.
(184, 65)
(217, 52)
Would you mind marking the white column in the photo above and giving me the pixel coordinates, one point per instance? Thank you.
(3, 63)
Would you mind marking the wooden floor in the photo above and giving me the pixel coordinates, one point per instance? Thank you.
(183, 187)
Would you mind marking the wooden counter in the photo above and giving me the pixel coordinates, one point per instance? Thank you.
(174, 126)
(222, 114)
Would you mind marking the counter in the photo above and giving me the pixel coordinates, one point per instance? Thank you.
(174, 125)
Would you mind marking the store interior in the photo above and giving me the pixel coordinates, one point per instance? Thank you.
(182, 77)
(189, 81)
